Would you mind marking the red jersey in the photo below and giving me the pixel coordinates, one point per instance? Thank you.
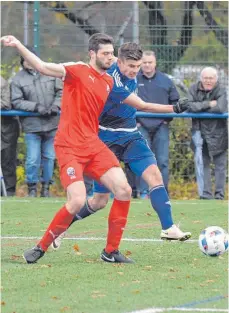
(84, 95)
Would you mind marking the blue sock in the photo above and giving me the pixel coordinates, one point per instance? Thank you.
(161, 204)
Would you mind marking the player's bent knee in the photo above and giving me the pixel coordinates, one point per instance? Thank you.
(75, 204)
(123, 192)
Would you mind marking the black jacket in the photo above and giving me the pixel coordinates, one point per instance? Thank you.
(28, 90)
(214, 131)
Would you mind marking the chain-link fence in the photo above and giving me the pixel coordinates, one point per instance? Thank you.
(185, 35)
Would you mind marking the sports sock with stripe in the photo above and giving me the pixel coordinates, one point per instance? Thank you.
(161, 204)
(85, 211)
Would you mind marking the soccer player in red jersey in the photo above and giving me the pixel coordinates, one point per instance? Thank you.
(78, 148)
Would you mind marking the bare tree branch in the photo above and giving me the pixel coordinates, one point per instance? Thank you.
(220, 33)
(83, 23)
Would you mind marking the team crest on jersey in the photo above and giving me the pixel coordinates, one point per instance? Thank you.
(71, 172)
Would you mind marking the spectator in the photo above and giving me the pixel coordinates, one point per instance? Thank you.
(207, 95)
(9, 137)
(33, 92)
(155, 86)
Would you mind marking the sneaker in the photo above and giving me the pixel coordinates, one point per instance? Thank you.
(115, 257)
(57, 242)
(174, 233)
(34, 254)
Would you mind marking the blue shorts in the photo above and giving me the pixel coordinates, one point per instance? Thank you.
(131, 149)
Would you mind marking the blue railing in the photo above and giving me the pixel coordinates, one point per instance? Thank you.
(139, 114)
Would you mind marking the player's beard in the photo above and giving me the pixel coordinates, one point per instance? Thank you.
(101, 65)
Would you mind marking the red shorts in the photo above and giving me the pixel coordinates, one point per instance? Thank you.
(73, 166)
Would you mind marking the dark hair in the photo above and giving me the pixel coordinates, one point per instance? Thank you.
(99, 39)
(130, 51)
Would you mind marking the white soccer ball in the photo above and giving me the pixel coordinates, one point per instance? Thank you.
(213, 241)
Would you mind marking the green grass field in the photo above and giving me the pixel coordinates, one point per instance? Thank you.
(165, 275)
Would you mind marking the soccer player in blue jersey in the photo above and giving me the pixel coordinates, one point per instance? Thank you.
(118, 130)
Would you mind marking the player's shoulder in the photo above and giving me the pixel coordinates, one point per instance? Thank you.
(76, 64)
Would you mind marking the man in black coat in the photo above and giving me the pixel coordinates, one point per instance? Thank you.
(207, 95)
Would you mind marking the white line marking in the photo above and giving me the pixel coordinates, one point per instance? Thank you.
(155, 310)
(98, 239)
(180, 202)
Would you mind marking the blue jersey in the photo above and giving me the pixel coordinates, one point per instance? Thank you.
(117, 114)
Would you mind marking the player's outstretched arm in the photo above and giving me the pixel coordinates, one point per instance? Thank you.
(136, 102)
(45, 68)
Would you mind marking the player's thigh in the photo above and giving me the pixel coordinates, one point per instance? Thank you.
(139, 156)
(115, 180)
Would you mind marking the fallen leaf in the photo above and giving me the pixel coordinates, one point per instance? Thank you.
(43, 284)
(120, 273)
(76, 247)
(196, 222)
(148, 267)
(54, 298)
(179, 287)
(210, 281)
(45, 265)
(135, 291)
(187, 276)
(18, 223)
(89, 261)
(15, 257)
(128, 252)
(3, 303)
(148, 214)
(65, 308)
(172, 270)
(172, 277)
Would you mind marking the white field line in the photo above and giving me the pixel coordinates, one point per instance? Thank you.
(96, 239)
(156, 310)
(179, 202)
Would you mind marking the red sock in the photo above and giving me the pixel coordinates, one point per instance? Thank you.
(59, 224)
(116, 224)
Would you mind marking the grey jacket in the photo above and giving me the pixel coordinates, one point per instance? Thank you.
(214, 131)
(31, 88)
(5, 95)
(9, 124)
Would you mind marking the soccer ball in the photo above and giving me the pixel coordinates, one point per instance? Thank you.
(213, 241)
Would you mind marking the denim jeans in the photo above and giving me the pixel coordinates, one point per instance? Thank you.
(198, 160)
(40, 156)
(220, 169)
(159, 143)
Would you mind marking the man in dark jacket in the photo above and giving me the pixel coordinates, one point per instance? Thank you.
(9, 137)
(33, 92)
(208, 95)
(155, 86)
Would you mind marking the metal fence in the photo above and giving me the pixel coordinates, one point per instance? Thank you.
(185, 35)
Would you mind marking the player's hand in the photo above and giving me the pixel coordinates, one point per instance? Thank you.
(10, 41)
(181, 105)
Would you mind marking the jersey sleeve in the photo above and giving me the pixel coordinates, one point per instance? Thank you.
(72, 72)
(119, 92)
